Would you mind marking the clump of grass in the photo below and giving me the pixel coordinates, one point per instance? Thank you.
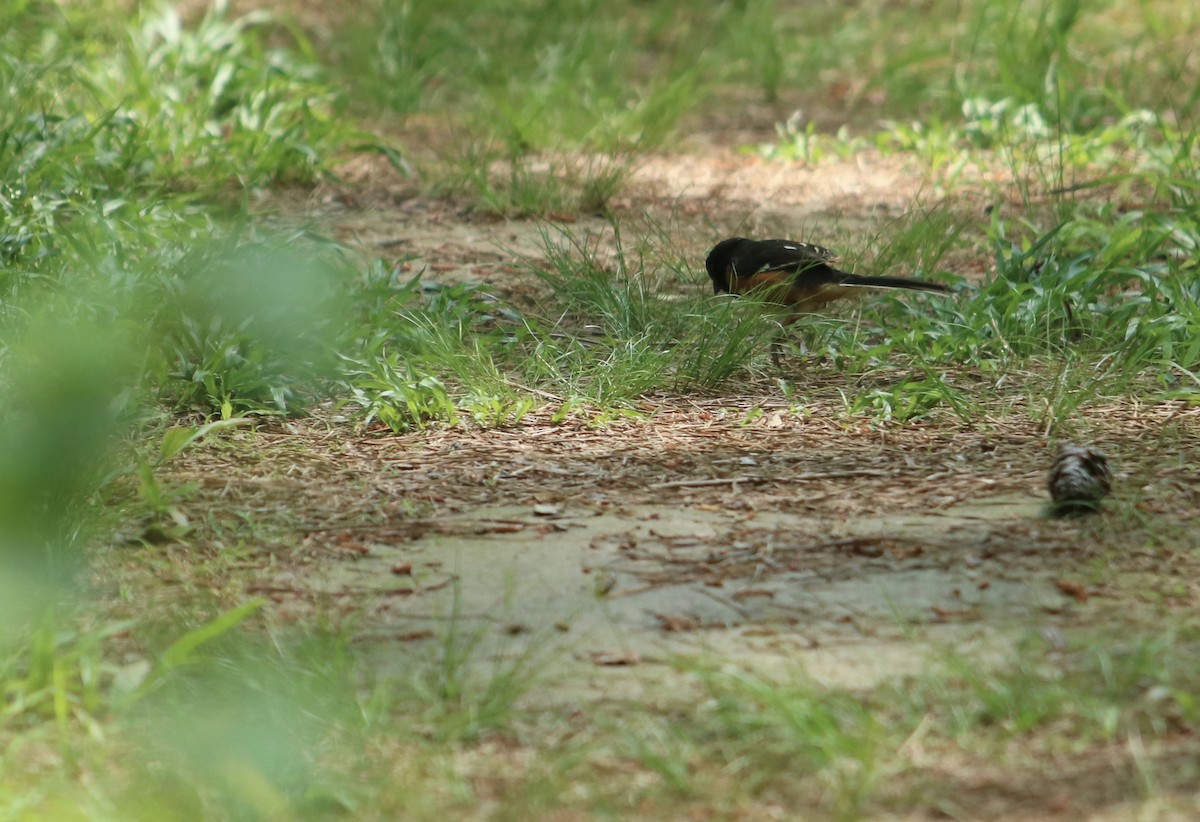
(1097, 690)
(216, 103)
(1072, 107)
(798, 726)
(849, 752)
(392, 391)
(519, 84)
(590, 74)
(1099, 296)
(430, 359)
(643, 333)
(610, 327)
(217, 719)
(98, 143)
(249, 326)
(1079, 65)
(1098, 305)
(165, 106)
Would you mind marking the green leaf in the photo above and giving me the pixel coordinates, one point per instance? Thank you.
(180, 437)
(182, 649)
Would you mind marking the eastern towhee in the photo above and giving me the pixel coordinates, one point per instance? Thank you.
(796, 276)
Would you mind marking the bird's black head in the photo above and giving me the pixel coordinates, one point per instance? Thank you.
(719, 261)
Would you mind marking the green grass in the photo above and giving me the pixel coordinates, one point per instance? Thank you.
(516, 82)
(230, 726)
(142, 309)
(107, 155)
(1021, 108)
(1098, 691)
(1080, 64)
(853, 753)
(544, 74)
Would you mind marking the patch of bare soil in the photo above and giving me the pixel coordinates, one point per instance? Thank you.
(782, 539)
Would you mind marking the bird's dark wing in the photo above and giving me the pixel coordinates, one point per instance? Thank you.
(780, 255)
(809, 264)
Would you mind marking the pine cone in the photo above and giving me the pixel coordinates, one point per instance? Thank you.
(1079, 478)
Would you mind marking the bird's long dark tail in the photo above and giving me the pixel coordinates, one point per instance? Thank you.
(890, 282)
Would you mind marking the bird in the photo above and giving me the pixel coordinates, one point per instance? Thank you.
(798, 276)
(1079, 479)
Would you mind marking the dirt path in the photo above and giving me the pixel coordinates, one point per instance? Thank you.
(784, 541)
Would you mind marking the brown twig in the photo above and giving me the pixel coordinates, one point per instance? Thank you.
(862, 472)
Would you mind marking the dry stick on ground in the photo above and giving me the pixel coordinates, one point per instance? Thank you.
(736, 565)
(264, 588)
(863, 472)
